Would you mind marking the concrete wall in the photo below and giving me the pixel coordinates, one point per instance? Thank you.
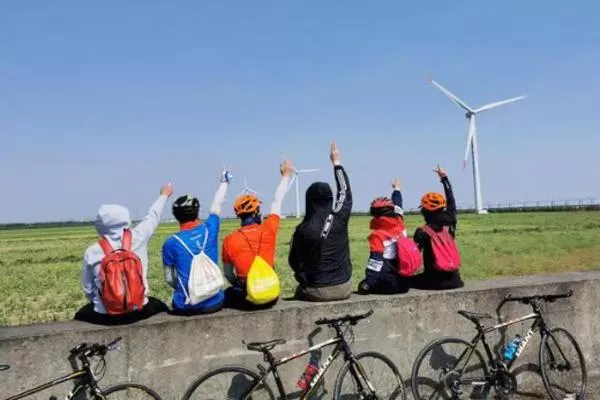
(168, 352)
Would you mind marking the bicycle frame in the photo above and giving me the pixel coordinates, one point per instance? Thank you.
(72, 376)
(538, 324)
(341, 346)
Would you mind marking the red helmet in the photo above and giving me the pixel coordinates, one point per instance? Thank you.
(433, 201)
(381, 206)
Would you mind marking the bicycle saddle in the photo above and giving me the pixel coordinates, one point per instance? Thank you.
(262, 346)
(474, 317)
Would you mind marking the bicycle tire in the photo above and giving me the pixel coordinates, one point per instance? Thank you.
(396, 392)
(126, 388)
(192, 389)
(546, 345)
(416, 380)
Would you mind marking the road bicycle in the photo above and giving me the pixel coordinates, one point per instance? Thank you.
(459, 367)
(86, 380)
(367, 376)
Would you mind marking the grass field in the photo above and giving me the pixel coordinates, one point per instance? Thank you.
(40, 267)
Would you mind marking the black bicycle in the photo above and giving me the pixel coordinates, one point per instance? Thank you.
(86, 379)
(456, 367)
(368, 375)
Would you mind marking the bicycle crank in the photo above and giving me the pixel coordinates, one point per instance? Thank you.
(505, 384)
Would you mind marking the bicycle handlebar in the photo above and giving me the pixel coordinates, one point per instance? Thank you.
(550, 298)
(353, 319)
(96, 349)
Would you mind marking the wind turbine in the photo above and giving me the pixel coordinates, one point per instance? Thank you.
(247, 189)
(295, 179)
(472, 137)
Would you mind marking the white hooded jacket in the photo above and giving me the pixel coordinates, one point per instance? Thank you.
(110, 222)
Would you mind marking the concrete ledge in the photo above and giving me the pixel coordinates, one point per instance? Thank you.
(168, 352)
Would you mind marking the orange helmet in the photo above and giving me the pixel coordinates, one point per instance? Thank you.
(433, 201)
(246, 204)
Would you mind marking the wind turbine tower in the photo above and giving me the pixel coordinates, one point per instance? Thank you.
(472, 138)
(295, 179)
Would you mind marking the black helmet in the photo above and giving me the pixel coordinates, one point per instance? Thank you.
(186, 208)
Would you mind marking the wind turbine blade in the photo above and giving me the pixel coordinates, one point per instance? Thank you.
(245, 181)
(469, 139)
(451, 96)
(253, 191)
(498, 103)
(300, 171)
(294, 177)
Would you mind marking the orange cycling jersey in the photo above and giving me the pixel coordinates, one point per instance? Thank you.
(240, 247)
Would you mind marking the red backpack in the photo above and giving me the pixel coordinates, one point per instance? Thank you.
(445, 251)
(121, 278)
(409, 256)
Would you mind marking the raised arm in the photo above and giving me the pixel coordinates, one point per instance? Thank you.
(286, 170)
(221, 192)
(343, 201)
(87, 279)
(146, 227)
(450, 212)
(397, 197)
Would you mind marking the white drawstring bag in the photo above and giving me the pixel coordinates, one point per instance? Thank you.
(205, 278)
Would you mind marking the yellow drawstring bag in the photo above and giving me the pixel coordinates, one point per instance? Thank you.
(262, 282)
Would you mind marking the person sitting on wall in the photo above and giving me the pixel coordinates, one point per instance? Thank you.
(387, 226)
(439, 231)
(194, 237)
(320, 250)
(255, 237)
(114, 274)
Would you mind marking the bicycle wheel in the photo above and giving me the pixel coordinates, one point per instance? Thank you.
(562, 365)
(442, 363)
(231, 383)
(371, 370)
(130, 391)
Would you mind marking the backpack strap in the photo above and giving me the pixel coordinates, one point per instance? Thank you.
(205, 239)
(428, 230)
(105, 246)
(185, 246)
(126, 240)
(256, 253)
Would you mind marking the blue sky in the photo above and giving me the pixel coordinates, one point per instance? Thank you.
(102, 102)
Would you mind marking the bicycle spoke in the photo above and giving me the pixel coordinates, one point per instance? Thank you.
(562, 365)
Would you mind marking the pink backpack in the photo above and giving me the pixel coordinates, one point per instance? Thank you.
(445, 251)
(409, 256)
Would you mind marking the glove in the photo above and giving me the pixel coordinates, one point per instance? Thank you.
(226, 176)
(363, 287)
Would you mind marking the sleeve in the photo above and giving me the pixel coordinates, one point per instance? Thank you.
(212, 225)
(170, 276)
(420, 237)
(296, 249)
(397, 200)
(87, 279)
(168, 256)
(280, 193)
(272, 223)
(343, 202)
(451, 201)
(219, 199)
(146, 227)
(448, 218)
(375, 262)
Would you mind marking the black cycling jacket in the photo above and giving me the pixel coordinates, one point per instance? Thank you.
(437, 220)
(320, 250)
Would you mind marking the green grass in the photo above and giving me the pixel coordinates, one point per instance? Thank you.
(40, 268)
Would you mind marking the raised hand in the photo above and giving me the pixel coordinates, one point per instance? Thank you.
(334, 154)
(286, 168)
(441, 172)
(396, 184)
(226, 175)
(167, 190)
